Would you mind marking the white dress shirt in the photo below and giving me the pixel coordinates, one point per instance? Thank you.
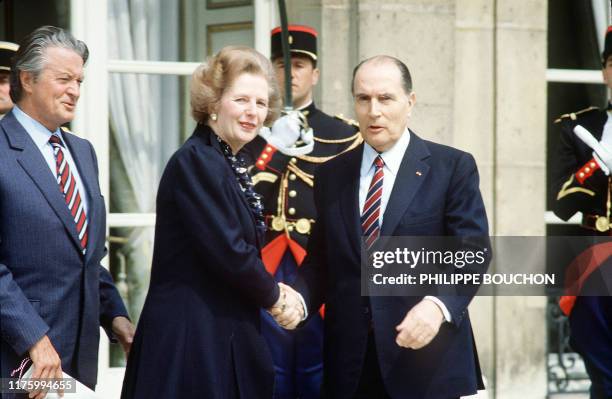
(393, 160)
(41, 135)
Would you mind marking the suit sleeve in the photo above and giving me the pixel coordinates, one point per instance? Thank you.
(20, 324)
(111, 304)
(466, 217)
(206, 203)
(570, 194)
(312, 274)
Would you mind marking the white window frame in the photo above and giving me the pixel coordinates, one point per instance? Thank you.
(92, 119)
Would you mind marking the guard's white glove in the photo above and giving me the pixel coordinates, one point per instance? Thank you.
(287, 131)
(605, 162)
(602, 151)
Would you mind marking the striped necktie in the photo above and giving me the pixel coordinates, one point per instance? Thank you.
(371, 210)
(68, 186)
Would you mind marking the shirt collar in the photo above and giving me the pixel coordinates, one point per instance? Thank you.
(302, 108)
(392, 157)
(35, 129)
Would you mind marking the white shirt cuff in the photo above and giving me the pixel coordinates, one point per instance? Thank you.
(303, 306)
(441, 305)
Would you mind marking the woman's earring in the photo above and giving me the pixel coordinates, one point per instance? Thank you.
(213, 117)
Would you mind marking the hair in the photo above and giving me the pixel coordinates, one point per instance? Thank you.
(31, 55)
(298, 55)
(210, 80)
(403, 69)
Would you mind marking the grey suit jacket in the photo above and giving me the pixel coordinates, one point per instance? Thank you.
(47, 286)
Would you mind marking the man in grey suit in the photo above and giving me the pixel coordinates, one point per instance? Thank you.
(54, 293)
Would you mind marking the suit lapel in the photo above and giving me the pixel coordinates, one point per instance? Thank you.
(80, 152)
(412, 172)
(32, 161)
(350, 196)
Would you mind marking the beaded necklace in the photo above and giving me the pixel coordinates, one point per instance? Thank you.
(246, 185)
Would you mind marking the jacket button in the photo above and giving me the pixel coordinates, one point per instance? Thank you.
(292, 176)
(292, 193)
(292, 211)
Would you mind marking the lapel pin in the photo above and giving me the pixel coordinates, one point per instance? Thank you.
(418, 173)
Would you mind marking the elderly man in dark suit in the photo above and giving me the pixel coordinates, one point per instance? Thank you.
(54, 293)
(396, 184)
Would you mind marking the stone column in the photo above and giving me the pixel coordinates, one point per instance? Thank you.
(420, 33)
(473, 125)
(338, 48)
(520, 191)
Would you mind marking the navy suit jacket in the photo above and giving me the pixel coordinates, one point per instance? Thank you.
(443, 199)
(47, 286)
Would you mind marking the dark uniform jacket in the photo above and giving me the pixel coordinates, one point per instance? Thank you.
(572, 157)
(591, 316)
(295, 202)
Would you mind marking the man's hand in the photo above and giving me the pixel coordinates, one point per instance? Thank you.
(46, 363)
(124, 331)
(420, 325)
(288, 310)
(603, 157)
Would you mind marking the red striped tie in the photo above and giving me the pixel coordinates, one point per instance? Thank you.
(371, 209)
(67, 183)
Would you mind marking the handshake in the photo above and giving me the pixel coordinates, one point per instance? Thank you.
(289, 310)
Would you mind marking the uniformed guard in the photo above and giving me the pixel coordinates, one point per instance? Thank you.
(7, 51)
(582, 182)
(285, 162)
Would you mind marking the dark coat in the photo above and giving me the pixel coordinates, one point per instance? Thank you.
(199, 331)
(47, 286)
(435, 193)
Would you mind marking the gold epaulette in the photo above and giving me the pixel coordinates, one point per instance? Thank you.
(573, 115)
(348, 121)
(349, 139)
